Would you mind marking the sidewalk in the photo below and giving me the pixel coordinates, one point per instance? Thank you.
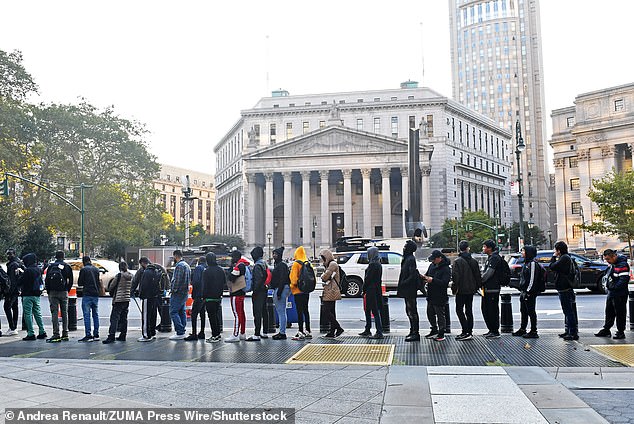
(323, 393)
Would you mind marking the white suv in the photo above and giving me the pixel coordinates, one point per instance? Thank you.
(355, 263)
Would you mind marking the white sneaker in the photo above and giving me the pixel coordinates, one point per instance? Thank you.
(232, 339)
(243, 336)
(12, 333)
(143, 339)
(308, 335)
(253, 338)
(177, 337)
(299, 336)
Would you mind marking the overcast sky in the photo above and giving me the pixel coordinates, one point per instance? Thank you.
(187, 68)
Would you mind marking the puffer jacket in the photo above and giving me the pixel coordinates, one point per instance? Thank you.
(123, 283)
(409, 278)
(330, 276)
(437, 288)
(299, 255)
(618, 277)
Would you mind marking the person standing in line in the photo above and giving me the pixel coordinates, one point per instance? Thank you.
(259, 292)
(120, 286)
(58, 282)
(491, 286)
(198, 306)
(282, 277)
(466, 281)
(179, 292)
(88, 281)
(31, 286)
(529, 288)
(332, 292)
(148, 284)
(372, 294)
(437, 279)
(214, 279)
(618, 278)
(561, 265)
(237, 283)
(14, 267)
(408, 284)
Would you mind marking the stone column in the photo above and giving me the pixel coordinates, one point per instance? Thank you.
(560, 187)
(404, 196)
(268, 206)
(427, 202)
(367, 205)
(347, 202)
(325, 203)
(288, 210)
(386, 195)
(250, 212)
(306, 223)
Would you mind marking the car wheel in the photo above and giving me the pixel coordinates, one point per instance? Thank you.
(600, 287)
(354, 287)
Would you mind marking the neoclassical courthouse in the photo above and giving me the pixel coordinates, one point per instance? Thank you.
(337, 164)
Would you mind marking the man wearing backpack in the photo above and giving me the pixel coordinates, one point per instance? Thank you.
(259, 292)
(237, 284)
(531, 282)
(618, 277)
(491, 285)
(59, 281)
(561, 264)
(198, 306)
(181, 279)
(12, 293)
(466, 281)
(89, 281)
(148, 284)
(31, 286)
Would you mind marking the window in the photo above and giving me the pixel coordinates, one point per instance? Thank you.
(305, 127)
(394, 121)
(378, 231)
(272, 133)
(576, 208)
(619, 105)
(576, 231)
(377, 99)
(570, 121)
(360, 124)
(168, 178)
(256, 130)
(430, 125)
(377, 127)
(574, 184)
(392, 258)
(573, 162)
(322, 124)
(393, 98)
(289, 130)
(359, 100)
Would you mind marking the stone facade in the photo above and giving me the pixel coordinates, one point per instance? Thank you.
(589, 139)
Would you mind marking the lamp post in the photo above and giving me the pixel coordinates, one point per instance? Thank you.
(269, 235)
(314, 235)
(583, 222)
(519, 148)
(531, 225)
(550, 239)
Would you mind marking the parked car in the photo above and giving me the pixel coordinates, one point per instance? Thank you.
(591, 271)
(108, 270)
(355, 263)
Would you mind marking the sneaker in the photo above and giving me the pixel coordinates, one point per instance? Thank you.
(365, 333)
(308, 335)
(279, 336)
(201, 335)
(12, 333)
(562, 335)
(213, 339)
(232, 339)
(531, 335)
(190, 338)
(54, 339)
(95, 338)
(65, 337)
(42, 336)
(493, 336)
(377, 336)
(253, 338)
(121, 337)
(299, 336)
(328, 336)
(439, 338)
(488, 333)
(519, 333)
(413, 338)
(85, 339)
(177, 337)
(465, 337)
(29, 338)
(264, 336)
(619, 335)
(569, 337)
(109, 340)
(338, 332)
(431, 334)
(243, 336)
(144, 339)
(603, 333)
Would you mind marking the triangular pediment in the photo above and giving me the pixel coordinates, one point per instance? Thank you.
(331, 140)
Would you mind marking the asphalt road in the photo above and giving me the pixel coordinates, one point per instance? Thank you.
(350, 313)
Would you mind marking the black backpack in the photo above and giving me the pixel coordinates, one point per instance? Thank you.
(575, 273)
(505, 273)
(540, 278)
(4, 283)
(307, 281)
(343, 281)
(151, 282)
(55, 278)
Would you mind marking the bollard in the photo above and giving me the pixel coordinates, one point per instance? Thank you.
(72, 309)
(269, 315)
(385, 314)
(166, 319)
(324, 324)
(506, 320)
(631, 311)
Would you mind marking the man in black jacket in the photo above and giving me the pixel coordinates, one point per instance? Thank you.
(466, 281)
(561, 265)
(259, 292)
(148, 284)
(31, 286)
(408, 283)
(89, 281)
(491, 278)
(59, 281)
(437, 279)
(11, 296)
(214, 279)
(372, 294)
(618, 277)
(529, 289)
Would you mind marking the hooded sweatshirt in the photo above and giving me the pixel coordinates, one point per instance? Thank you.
(331, 274)
(437, 288)
(618, 277)
(280, 277)
(214, 279)
(530, 268)
(300, 255)
(237, 282)
(259, 270)
(373, 273)
(409, 277)
(29, 277)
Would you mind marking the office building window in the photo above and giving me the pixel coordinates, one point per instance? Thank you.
(273, 133)
(256, 130)
(576, 231)
(305, 127)
(574, 184)
(322, 124)
(570, 121)
(377, 127)
(619, 105)
(573, 162)
(360, 124)
(289, 130)
(576, 208)
(394, 121)
(430, 125)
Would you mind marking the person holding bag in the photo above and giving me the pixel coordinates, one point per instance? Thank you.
(332, 292)
(119, 287)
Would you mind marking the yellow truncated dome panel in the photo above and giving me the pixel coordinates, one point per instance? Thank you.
(623, 353)
(351, 354)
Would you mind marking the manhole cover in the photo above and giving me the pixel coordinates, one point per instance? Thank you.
(347, 354)
(623, 353)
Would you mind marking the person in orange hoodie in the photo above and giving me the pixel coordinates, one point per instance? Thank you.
(301, 299)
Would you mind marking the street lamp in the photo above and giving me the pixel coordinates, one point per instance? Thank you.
(531, 225)
(314, 235)
(519, 148)
(269, 235)
(583, 222)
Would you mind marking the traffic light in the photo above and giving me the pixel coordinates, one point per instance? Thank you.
(4, 188)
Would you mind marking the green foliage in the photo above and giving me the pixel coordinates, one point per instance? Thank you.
(39, 240)
(614, 196)
(532, 236)
(472, 226)
(11, 230)
(197, 236)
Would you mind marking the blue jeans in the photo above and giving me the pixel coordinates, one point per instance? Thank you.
(569, 306)
(177, 312)
(90, 304)
(280, 307)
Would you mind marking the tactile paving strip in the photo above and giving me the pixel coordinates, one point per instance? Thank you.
(623, 353)
(345, 354)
